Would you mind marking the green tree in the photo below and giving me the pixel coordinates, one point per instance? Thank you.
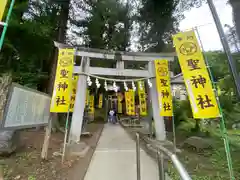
(107, 24)
(233, 38)
(38, 23)
(221, 72)
(236, 14)
(223, 79)
(27, 62)
(182, 111)
(159, 20)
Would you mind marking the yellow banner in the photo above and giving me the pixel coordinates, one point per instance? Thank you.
(126, 94)
(196, 77)
(120, 98)
(130, 102)
(3, 4)
(63, 82)
(91, 104)
(100, 102)
(87, 97)
(142, 98)
(163, 87)
(74, 91)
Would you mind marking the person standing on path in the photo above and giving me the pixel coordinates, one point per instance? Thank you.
(114, 116)
(111, 116)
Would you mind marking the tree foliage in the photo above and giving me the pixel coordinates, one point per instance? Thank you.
(28, 50)
(182, 111)
(236, 14)
(232, 38)
(224, 81)
(106, 24)
(28, 42)
(159, 20)
(222, 75)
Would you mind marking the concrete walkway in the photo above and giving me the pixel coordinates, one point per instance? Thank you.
(115, 158)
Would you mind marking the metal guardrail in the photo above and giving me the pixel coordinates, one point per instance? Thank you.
(138, 157)
(161, 151)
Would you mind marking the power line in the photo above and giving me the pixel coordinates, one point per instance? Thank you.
(194, 27)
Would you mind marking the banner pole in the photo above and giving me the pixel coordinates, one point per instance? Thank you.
(5, 26)
(66, 134)
(174, 135)
(222, 120)
(68, 115)
(173, 120)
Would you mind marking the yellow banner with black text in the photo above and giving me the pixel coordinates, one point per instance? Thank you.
(196, 77)
(91, 105)
(119, 102)
(87, 97)
(142, 98)
(130, 102)
(164, 87)
(100, 101)
(74, 91)
(63, 82)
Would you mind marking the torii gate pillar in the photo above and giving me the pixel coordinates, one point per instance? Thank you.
(158, 120)
(77, 117)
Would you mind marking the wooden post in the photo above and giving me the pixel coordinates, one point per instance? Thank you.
(47, 139)
(1, 173)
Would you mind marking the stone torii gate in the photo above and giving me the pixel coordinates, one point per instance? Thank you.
(121, 71)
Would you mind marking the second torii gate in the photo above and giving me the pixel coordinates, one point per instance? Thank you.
(120, 58)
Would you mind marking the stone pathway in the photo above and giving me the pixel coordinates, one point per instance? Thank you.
(115, 158)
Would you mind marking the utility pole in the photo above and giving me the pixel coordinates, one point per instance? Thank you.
(226, 48)
(236, 80)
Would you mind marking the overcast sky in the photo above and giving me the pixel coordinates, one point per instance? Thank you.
(202, 16)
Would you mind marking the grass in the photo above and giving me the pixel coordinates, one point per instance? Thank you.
(209, 164)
